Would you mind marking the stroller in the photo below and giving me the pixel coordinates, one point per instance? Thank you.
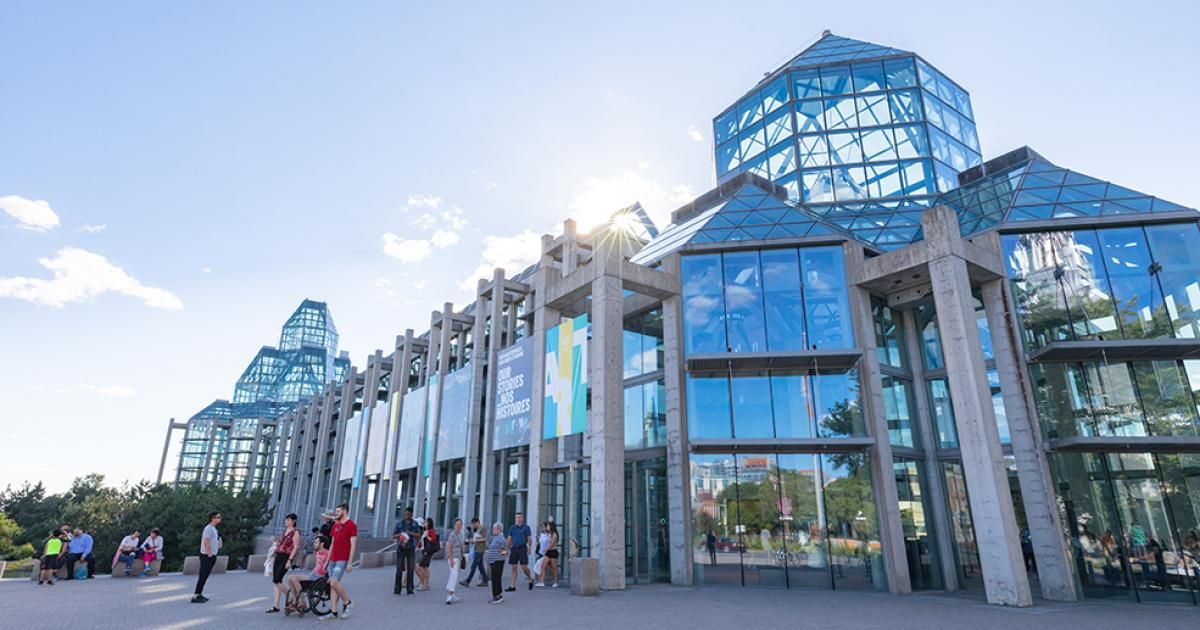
(313, 597)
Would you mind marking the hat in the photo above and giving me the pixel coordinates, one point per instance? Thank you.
(328, 515)
(420, 521)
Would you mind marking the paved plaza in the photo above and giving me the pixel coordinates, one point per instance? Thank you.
(239, 599)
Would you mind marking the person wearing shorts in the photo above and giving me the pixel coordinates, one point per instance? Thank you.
(51, 555)
(519, 536)
(285, 557)
(345, 542)
(298, 582)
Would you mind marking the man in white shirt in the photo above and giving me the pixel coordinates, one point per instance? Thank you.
(127, 550)
(210, 544)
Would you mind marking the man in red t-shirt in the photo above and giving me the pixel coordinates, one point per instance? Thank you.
(345, 542)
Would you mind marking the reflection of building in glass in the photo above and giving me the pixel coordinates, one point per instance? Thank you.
(866, 360)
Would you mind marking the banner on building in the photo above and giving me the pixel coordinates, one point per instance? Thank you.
(566, 379)
(455, 414)
(412, 417)
(364, 429)
(513, 397)
(377, 440)
(431, 414)
(350, 448)
(393, 428)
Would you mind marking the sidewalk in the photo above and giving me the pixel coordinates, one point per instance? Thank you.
(238, 600)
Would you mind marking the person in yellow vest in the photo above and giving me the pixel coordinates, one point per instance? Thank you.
(51, 557)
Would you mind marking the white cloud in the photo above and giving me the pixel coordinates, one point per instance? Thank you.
(79, 276)
(92, 229)
(512, 253)
(420, 284)
(490, 186)
(114, 391)
(454, 219)
(602, 197)
(695, 134)
(29, 214)
(643, 165)
(425, 222)
(444, 238)
(422, 201)
(406, 250)
(207, 270)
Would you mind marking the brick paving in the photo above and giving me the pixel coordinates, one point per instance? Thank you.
(239, 599)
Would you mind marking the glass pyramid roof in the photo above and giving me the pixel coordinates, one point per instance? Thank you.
(751, 213)
(1034, 189)
(836, 49)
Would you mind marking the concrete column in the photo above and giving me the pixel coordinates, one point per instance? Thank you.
(358, 485)
(979, 441)
(883, 477)
(480, 356)
(1055, 573)
(427, 370)
(391, 482)
(496, 340)
(345, 411)
(606, 428)
(166, 446)
(935, 485)
(445, 334)
(543, 318)
(678, 490)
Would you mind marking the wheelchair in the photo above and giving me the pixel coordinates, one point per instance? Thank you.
(313, 597)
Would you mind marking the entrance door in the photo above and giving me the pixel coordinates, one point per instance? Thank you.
(566, 496)
(647, 543)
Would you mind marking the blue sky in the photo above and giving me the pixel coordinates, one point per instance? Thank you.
(212, 164)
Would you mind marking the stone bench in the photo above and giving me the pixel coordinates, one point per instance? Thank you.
(136, 567)
(370, 559)
(585, 576)
(256, 563)
(191, 565)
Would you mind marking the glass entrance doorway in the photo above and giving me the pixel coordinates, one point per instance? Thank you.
(567, 500)
(647, 544)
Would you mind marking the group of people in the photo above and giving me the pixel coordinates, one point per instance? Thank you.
(473, 546)
(67, 546)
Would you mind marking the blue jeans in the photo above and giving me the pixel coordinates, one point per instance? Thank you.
(478, 562)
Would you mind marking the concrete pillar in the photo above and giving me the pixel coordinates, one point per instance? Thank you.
(606, 429)
(935, 484)
(496, 340)
(883, 477)
(333, 482)
(429, 368)
(390, 483)
(480, 356)
(979, 441)
(445, 332)
(543, 318)
(358, 485)
(166, 446)
(1055, 573)
(678, 490)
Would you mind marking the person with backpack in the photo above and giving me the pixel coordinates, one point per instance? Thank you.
(429, 547)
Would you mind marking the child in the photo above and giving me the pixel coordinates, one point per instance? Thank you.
(297, 582)
(50, 557)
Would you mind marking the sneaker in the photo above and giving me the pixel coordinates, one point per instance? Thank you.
(330, 617)
(531, 585)
(540, 584)
(554, 585)
(465, 583)
(346, 609)
(449, 600)
(198, 599)
(455, 598)
(510, 589)
(482, 584)
(496, 600)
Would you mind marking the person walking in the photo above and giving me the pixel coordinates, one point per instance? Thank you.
(52, 553)
(152, 552)
(406, 534)
(455, 547)
(285, 557)
(519, 536)
(550, 564)
(478, 546)
(210, 544)
(345, 543)
(80, 548)
(710, 543)
(429, 546)
(496, 550)
(543, 545)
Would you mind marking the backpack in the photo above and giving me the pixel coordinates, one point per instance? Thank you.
(432, 546)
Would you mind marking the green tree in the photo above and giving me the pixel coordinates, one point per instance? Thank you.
(9, 532)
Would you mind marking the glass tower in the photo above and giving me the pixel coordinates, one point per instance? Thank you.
(864, 134)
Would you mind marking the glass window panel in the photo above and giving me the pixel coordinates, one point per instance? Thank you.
(930, 337)
(971, 138)
(953, 125)
(947, 178)
(806, 84)
(752, 143)
(1041, 303)
(923, 567)
(727, 157)
(758, 166)
(1166, 398)
(1085, 285)
(1176, 250)
(900, 73)
(933, 110)
(775, 95)
(634, 420)
(839, 413)
(918, 177)
(1060, 392)
(848, 183)
(817, 185)
(844, 148)
(784, 306)
(752, 407)
(945, 90)
(883, 180)
(943, 413)
(1138, 299)
(1153, 552)
(897, 410)
(970, 571)
(1113, 400)
(744, 302)
(940, 143)
(827, 308)
(905, 106)
(792, 184)
(911, 141)
(654, 401)
(868, 76)
(803, 520)
(652, 341)
(962, 102)
(725, 126)
(790, 394)
(1181, 488)
(835, 80)
(873, 110)
(779, 128)
(703, 304)
(877, 145)
(839, 113)
(631, 346)
(810, 116)
(927, 76)
(781, 160)
(714, 519)
(889, 336)
(852, 526)
(958, 156)
(814, 151)
(749, 112)
(998, 407)
(708, 407)
(759, 528)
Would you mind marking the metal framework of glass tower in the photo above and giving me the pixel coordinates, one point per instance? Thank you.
(233, 443)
